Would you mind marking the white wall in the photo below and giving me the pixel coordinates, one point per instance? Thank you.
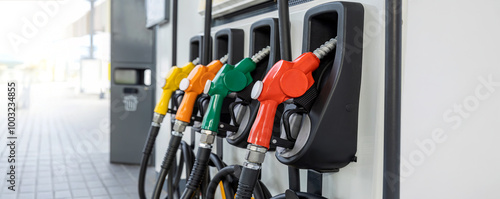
(361, 180)
(451, 49)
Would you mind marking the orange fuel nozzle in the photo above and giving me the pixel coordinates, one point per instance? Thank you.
(194, 84)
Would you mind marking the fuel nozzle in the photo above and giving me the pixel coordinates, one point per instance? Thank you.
(229, 79)
(172, 81)
(193, 86)
(284, 81)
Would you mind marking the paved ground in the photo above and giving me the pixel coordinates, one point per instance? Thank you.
(62, 150)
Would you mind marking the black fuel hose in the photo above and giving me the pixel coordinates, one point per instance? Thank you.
(197, 173)
(246, 184)
(166, 164)
(170, 186)
(186, 159)
(228, 190)
(260, 191)
(212, 186)
(146, 153)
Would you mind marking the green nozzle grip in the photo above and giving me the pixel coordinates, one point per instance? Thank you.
(229, 79)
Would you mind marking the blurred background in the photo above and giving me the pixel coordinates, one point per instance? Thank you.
(54, 42)
(59, 59)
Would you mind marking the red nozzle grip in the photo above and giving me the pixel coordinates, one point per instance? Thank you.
(262, 128)
(285, 80)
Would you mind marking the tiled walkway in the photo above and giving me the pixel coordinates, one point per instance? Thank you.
(62, 150)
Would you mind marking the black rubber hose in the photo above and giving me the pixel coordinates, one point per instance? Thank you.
(217, 161)
(174, 33)
(265, 190)
(246, 183)
(187, 153)
(146, 152)
(206, 34)
(166, 164)
(300, 195)
(284, 30)
(229, 192)
(197, 173)
(170, 186)
(392, 97)
(177, 175)
(257, 191)
(212, 186)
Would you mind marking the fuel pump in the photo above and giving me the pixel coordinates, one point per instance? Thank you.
(172, 81)
(192, 86)
(229, 79)
(322, 124)
(284, 81)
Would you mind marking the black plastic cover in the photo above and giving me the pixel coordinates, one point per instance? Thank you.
(262, 33)
(332, 142)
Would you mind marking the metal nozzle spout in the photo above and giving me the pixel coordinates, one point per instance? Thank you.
(257, 57)
(224, 59)
(196, 61)
(325, 48)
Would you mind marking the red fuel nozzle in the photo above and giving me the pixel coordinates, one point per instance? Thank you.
(285, 80)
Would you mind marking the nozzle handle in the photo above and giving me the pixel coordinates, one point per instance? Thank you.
(186, 108)
(162, 105)
(262, 127)
(212, 116)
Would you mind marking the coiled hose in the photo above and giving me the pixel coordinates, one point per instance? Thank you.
(260, 191)
(228, 190)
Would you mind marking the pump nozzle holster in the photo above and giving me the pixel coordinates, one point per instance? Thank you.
(285, 80)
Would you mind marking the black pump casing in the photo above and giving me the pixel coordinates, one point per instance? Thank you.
(195, 51)
(196, 47)
(262, 33)
(228, 41)
(332, 140)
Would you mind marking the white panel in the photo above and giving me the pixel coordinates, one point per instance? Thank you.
(450, 116)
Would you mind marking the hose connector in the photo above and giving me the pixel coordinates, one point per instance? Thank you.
(179, 126)
(325, 48)
(207, 138)
(255, 156)
(157, 119)
(257, 57)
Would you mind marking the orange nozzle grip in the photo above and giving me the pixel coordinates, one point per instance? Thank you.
(186, 108)
(197, 79)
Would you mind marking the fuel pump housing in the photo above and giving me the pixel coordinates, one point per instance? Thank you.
(327, 139)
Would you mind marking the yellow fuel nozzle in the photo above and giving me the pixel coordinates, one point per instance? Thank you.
(172, 81)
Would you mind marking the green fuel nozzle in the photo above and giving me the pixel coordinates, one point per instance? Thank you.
(229, 79)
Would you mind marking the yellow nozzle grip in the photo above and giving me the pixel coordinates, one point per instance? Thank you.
(174, 77)
(162, 105)
(176, 74)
